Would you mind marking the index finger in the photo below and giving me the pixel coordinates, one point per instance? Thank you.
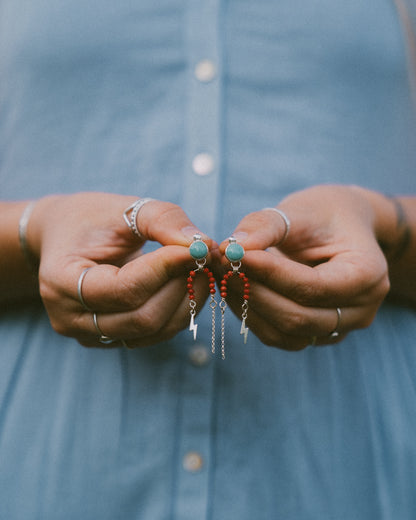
(168, 224)
(348, 278)
(108, 288)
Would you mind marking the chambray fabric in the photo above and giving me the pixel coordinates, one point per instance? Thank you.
(103, 96)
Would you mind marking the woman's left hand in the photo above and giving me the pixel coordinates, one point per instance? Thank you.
(327, 278)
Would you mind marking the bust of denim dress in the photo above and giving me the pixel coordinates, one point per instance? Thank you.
(223, 108)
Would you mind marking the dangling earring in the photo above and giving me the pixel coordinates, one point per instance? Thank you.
(234, 254)
(199, 251)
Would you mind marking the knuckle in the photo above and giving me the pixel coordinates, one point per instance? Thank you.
(69, 327)
(385, 287)
(47, 292)
(305, 294)
(367, 319)
(60, 327)
(294, 323)
(127, 294)
(144, 323)
(170, 331)
(168, 215)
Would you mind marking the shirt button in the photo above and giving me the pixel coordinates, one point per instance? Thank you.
(203, 164)
(205, 71)
(199, 356)
(192, 462)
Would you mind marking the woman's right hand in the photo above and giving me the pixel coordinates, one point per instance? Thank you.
(139, 298)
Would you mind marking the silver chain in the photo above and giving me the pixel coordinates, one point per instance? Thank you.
(213, 305)
(223, 306)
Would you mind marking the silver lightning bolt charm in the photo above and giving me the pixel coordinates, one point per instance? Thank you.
(193, 326)
(244, 330)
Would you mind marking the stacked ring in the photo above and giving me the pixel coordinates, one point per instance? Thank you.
(103, 338)
(285, 220)
(132, 220)
(335, 333)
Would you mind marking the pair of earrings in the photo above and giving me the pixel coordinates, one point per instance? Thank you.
(234, 253)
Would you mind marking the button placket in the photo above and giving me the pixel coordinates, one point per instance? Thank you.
(200, 200)
(201, 186)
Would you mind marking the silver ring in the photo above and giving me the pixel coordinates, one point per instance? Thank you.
(286, 221)
(80, 297)
(132, 220)
(335, 333)
(106, 340)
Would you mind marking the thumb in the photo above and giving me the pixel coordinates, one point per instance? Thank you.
(168, 224)
(261, 229)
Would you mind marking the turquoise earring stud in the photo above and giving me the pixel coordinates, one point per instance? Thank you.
(199, 251)
(234, 253)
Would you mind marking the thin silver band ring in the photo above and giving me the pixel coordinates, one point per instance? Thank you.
(285, 220)
(335, 333)
(106, 340)
(80, 297)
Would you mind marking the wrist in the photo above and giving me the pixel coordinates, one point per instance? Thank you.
(31, 260)
(37, 217)
(389, 222)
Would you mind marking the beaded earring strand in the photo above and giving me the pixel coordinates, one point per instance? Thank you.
(199, 251)
(234, 254)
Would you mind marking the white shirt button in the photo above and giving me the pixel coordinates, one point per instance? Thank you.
(203, 164)
(192, 462)
(199, 356)
(205, 71)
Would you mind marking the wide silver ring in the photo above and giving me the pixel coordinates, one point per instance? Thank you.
(285, 220)
(335, 333)
(80, 297)
(106, 340)
(131, 220)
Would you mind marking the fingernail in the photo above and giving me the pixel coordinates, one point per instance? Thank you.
(240, 236)
(190, 231)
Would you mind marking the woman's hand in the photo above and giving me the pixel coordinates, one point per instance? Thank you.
(330, 259)
(138, 298)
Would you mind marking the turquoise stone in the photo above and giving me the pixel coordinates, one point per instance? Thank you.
(198, 250)
(234, 252)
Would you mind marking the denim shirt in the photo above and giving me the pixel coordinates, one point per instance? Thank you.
(223, 108)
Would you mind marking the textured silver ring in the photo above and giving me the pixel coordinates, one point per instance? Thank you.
(335, 333)
(131, 220)
(106, 340)
(80, 297)
(285, 220)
